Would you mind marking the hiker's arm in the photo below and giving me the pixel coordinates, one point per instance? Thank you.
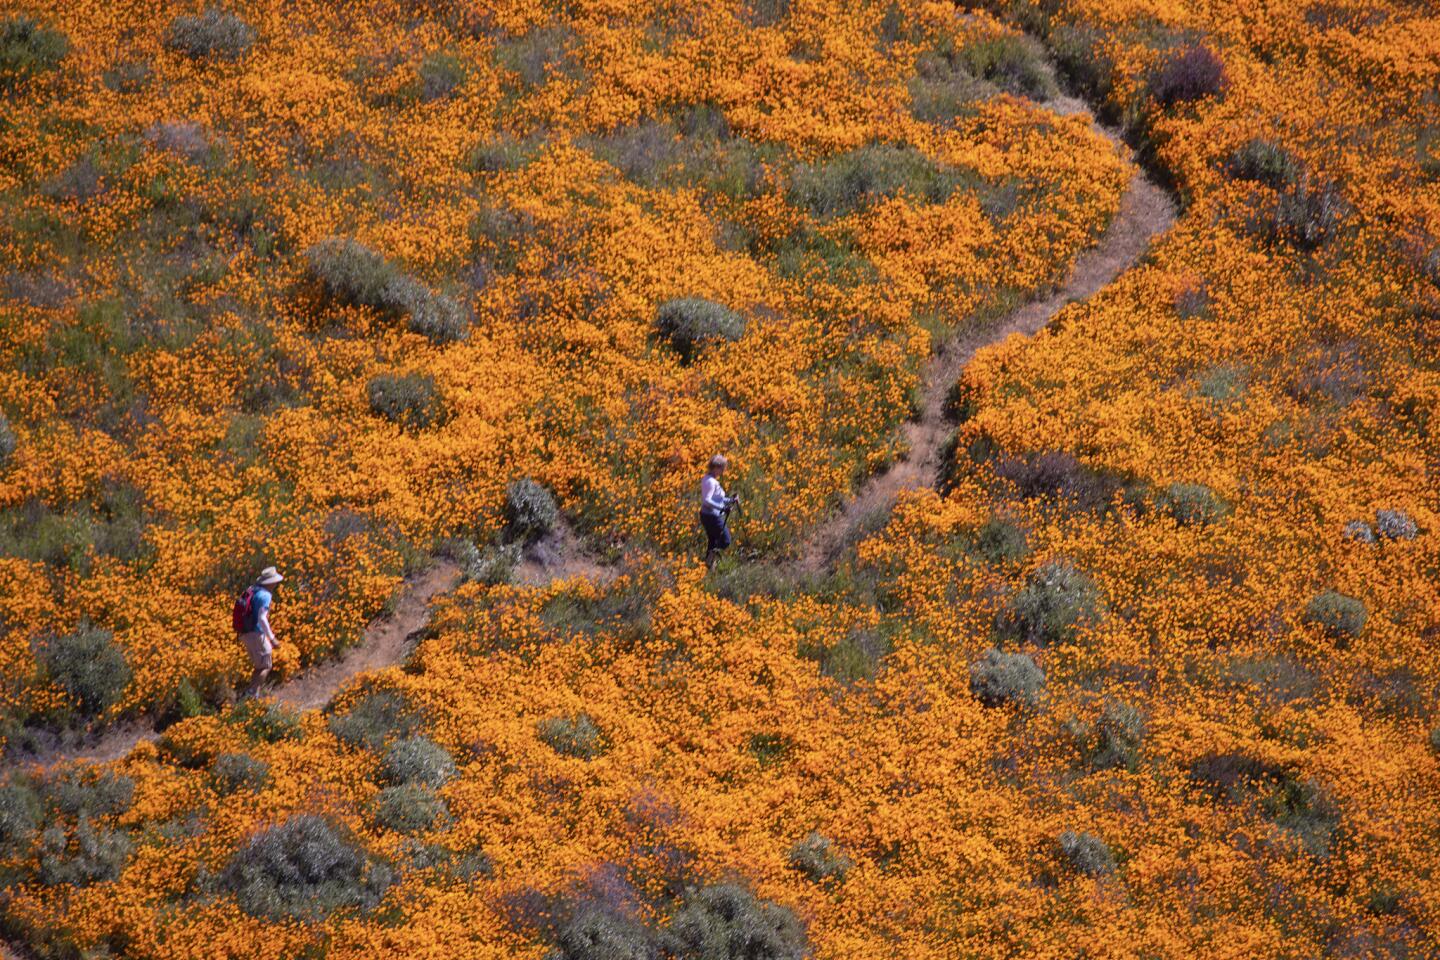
(264, 624)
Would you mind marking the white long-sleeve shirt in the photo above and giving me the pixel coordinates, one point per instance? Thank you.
(712, 495)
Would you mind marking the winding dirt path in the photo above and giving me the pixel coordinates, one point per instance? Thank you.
(1145, 212)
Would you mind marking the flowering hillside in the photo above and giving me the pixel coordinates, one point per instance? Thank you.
(1150, 671)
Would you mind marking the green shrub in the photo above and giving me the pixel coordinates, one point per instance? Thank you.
(596, 932)
(1222, 384)
(21, 814)
(1086, 853)
(128, 76)
(501, 232)
(533, 56)
(441, 74)
(409, 808)
(1193, 302)
(1435, 739)
(1114, 742)
(854, 658)
(1261, 161)
(493, 564)
(850, 181)
(818, 858)
(727, 922)
(531, 512)
(1187, 74)
(28, 48)
(417, 760)
(1306, 811)
(232, 772)
(412, 400)
(461, 865)
(352, 273)
(435, 316)
(1001, 542)
(1015, 64)
(306, 869)
(87, 792)
(767, 13)
(8, 441)
(375, 719)
(266, 722)
(505, 152)
(214, 33)
(1055, 602)
(998, 679)
(1389, 525)
(1080, 52)
(574, 736)
(1341, 617)
(1193, 504)
(82, 856)
(1303, 216)
(88, 665)
(689, 323)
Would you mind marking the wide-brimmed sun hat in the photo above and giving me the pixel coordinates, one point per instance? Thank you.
(268, 576)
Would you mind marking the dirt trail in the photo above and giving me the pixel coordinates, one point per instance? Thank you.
(1145, 212)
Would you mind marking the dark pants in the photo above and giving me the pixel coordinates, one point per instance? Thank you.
(717, 534)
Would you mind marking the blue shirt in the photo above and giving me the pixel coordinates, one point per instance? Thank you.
(259, 602)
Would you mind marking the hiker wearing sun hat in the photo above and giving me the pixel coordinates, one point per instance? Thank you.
(251, 620)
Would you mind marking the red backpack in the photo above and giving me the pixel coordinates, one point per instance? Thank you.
(240, 614)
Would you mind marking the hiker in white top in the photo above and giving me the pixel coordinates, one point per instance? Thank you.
(715, 509)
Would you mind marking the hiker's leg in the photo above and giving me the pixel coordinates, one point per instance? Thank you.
(261, 658)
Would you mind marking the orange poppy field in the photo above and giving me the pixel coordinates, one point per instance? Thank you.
(1077, 363)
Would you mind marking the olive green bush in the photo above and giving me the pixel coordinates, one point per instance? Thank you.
(306, 868)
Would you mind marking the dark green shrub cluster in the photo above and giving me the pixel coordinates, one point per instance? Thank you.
(84, 854)
(1086, 853)
(411, 400)
(213, 33)
(856, 657)
(1341, 617)
(306, 869)
(21, 814)
(533, 56)
(1059, 475)
(1055, 602)
(418, 760)
(1001, 542)
(266, 722)
(574, 736)
(441, 74)
(233, 772)
(1014, 63)
(722, 921)
(1079, 51)
(505, 152)
(27, 48)
(1113, 743)
(1193, 504)
(1304, 216)
(1261, 161)
(1193, 302)
(1187, 74)
(88, 665)
(1306, 811)
(352, 273)
(409, 808)
(531, 512)
(727, 922)
(128, 76)
(8, 441)
(57, 827)
(851, 181)
(817, 857)
(999, 679)
(376, 719)
(1392, 525)
(690, 323)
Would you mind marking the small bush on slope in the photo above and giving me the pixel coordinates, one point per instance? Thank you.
(306, 868)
